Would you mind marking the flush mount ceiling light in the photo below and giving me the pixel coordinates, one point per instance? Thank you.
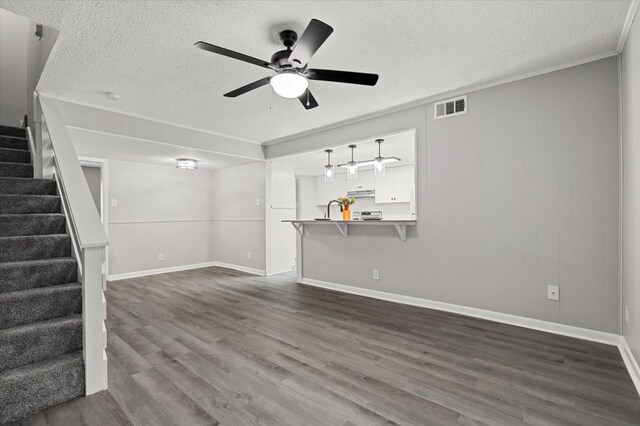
(187, 164)
(329, 170)
(289, 84)
(112, 96)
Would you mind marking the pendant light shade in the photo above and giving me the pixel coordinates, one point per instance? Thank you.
(329, 170)
(378, 162)
(352, 166)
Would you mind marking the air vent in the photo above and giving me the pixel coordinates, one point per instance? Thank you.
(450, 107)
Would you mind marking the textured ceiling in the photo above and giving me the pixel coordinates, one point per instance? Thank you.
(144, 51)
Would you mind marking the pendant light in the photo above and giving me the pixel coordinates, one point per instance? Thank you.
(352, 166)
(329, 170)
(378, 162)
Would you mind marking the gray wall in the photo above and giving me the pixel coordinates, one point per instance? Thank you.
(13, 67)
(631, 187)
(520, 193)
(239, 224)
(94, 180)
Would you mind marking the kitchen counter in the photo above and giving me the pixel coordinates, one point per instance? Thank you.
(343, 225)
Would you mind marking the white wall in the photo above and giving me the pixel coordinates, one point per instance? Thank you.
(519, 193)
(306, 207)
(160, 210)
(14, 44)
(631, 188)
(239, 222)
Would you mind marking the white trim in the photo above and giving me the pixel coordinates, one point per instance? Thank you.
(630, 362)
(633, 8)
(137, 274)
(535, 324)
(429, 99)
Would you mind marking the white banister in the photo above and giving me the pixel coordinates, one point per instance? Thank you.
(86, 230)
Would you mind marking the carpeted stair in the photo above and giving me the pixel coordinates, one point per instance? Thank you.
(40, 299)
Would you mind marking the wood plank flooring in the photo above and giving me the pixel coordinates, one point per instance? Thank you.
(214, 346)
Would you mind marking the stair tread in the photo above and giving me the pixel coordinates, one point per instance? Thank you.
(27, 186)
(38, 261)
(53, 380)
(38, 304)
(37, 273)
(38, 341)
(43, 290)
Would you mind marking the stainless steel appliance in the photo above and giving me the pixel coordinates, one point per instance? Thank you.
(367, 215)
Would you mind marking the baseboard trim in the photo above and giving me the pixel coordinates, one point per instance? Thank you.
(137, 274)
(240, 268)
(630, 362)
(535, 324)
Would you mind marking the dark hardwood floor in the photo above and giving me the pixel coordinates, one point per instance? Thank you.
(214, 346)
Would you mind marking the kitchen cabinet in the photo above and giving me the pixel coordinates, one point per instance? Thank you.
(396, 186)
(327, 191)
(365, 181)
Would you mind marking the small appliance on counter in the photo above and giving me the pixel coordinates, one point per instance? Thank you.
(367, 215)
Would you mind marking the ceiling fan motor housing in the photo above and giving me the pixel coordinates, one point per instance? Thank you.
(281, 57)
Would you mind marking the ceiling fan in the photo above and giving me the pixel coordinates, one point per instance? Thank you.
(290, 64)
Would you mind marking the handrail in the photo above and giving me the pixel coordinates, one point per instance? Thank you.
(89, 239)
(86, 221)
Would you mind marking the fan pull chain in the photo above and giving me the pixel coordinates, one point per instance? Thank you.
(270, 99)
(308, 93)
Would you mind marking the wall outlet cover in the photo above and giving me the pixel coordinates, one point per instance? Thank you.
(553, 292)
(626, 314)
(160, 257)
(376, 274)
(257, 202)
(114, 202)
(249, 255)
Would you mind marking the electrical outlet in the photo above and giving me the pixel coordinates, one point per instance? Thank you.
(249, 255)
(376, 274)
(161, 257)
(553, 292)
(626, 314)
(257, 202)
(114, 202)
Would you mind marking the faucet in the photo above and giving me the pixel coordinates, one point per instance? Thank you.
(329, 205)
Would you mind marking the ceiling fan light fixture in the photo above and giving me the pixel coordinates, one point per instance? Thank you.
(289, 84)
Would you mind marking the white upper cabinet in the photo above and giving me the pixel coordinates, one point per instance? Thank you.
(327, 191)
(395, 186)
(365, 181)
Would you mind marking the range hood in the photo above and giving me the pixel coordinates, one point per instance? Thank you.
(367, 193)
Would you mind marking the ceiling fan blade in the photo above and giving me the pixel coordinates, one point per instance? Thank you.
(312, 38)
(231, 54)
(249, 87)
(342, 76)
(307, 100)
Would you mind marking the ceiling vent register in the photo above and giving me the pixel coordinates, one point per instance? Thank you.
(450, 107)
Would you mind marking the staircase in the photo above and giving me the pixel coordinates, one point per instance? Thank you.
(41, 362)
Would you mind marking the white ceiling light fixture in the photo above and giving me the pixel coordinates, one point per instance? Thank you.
(352, 166)
(187, 164)
(289, 84)
(112, 96)
(329, 170)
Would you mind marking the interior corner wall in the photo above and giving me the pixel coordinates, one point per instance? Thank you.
(160, 210)
(239, 216)
(519, 193)
(14, 43)
(631, 188)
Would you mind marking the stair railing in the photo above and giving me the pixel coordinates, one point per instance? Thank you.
(89, 239)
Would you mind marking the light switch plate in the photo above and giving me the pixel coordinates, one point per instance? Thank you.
(553, 292)
(114, 202)
(257, 202)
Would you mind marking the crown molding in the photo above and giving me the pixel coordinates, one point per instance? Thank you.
(633, 8)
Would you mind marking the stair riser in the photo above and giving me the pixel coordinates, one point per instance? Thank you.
(26, 390)
(25, 276)
(18, 132)
(15, 249)
(16, 170)
(15, 156)
(36, 342)
(27, 186)
(26, 307)
(16, 204)
(17, 225)
(14, 143)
